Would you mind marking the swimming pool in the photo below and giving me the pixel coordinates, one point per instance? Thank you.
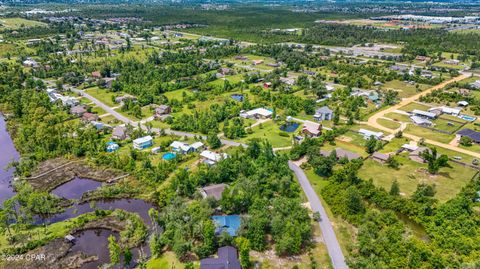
(169, 156)
(467, 118)
(289, 127)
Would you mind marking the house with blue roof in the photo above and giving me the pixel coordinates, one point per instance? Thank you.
(229, 223)
(112, 146)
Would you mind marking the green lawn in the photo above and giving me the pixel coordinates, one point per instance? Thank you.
(359, 149)
(404, 89)
(394, 145)
(413, 105)
(271, 131)
(448, 182)
(167, 260)
(16, 23)
(104, 95)
(398, 117)
(389, 124)
(428, 134)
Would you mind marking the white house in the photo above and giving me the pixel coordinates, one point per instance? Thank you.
(143, 142)
(447, 110)
(421, 121)
(211, 157)
(197, 146)
(256, 113)
(367, 134)
(424, 114)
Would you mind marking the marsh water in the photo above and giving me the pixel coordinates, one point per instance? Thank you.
(92, 242)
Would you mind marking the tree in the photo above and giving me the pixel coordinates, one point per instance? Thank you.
(114, 250)
(354, 201)
(395, 188)
(127, 257)
(371, 145)
(392, 162)
(466, 141)
(336, 116)
(213, 140)
(434, 161)
(244, 249)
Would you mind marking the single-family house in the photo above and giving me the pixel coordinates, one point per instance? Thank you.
(119, 133)
(421, 58)
(214, 191)
(408, 147)
(112, 146)
(416, 155)
(69, 101)
(452, 62)
(89, 117)
(241, 58)
(227, 259)
(123, 98)
(367, 134)
(446, 110)
(211, 158)
(474, 135)
(143, 142)
(229, 223)
(257, 62)
(323, 113)
(78, 110)
(96, 74)
(288, 81)
(421, 121)
(341, 154)
(424, 114)
(475, 85)
(257, 113)
(197, 146)
(161, 111)
(181, 147)
(462, 103)
(311, 129)
(380, 157)
(156, 150)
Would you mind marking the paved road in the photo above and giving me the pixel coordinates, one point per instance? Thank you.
(329, 237)
(126, 120)
(372, 121)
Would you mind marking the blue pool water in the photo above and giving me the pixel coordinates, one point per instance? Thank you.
(289, 127)
(169, 156)
(468, 118)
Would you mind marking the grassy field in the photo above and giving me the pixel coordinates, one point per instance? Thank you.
(398, 117)
(103, 95)
(17, 23)
(404, 89)
(413, 106)
(394, 145)
(167, 260)
(427, 133)
(271, 131)
(448, 182)
(389, 124)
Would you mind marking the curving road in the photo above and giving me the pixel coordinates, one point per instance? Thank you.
(329, 237)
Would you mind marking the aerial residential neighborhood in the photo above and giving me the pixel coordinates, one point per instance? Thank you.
(239, 135)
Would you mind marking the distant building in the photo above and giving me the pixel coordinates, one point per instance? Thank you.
(380, 157)
(229, 223)
(161, 111)
(341, 154)
(181, 147)
(416, 155)
(421, 121)
(227, 259)
(214, 191)
(452, 62)
(123, 98)
(475, 85)
(257, 113)
(367, 134)
(424, 114)
(96, 74)
(446, 110)
(112, 146)
(143, 142)
(211, 158)
(78, 110)
(311, 129)
(474, 135)
(323, 113)
(89, 117)
(462, 103)
(119, 133)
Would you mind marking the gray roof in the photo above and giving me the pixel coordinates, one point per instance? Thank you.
(341, 153)
(214, 191)
(380, 156)
(227, 259)
(324, 110)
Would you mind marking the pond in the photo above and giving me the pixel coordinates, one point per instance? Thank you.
(83, 243)
(8, 154)
(289, 127)
(169, 156)
(74, 189)
(237, 97)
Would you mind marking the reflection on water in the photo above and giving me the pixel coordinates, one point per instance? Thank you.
(75, 188)
(8, 153)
